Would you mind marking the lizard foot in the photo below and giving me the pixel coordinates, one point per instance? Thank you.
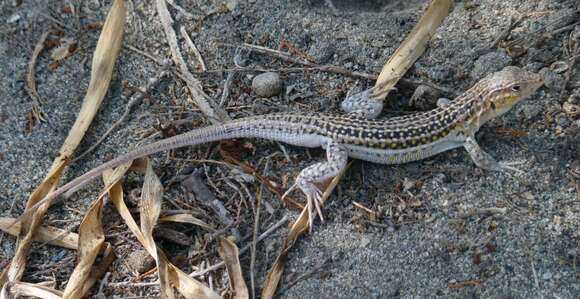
(510, 166)
(313, 199)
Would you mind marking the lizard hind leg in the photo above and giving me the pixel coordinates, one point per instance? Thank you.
(336, 158)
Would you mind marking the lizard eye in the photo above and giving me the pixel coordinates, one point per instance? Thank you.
(516, 88)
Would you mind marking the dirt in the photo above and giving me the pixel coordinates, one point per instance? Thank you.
(439, 227)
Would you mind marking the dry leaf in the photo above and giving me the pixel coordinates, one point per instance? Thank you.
(104, 59)
(169, 274)
(186, 218)
(67, 47)
(230, 254)
(92, 240)
(45, 234)
(35, 290)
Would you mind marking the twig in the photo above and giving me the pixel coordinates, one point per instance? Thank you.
(303, 276)
(200, 98)
(227, 86)
(506, 32)
(329, 69)
(573, 50)
(135, 100)
(181, 10)
(244, 249)
(255, 240)
(159, 61)
(193, 49)
(461, 284)
(334, 69)
(103, 284)
(31, 81)
(536, 281)
(57, 21)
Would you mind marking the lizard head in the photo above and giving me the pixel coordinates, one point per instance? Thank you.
(506, 88)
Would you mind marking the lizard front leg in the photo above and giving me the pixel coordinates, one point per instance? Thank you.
(483, 159)
(336, 158)
(363, 104)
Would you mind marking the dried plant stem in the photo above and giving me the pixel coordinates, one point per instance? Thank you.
(31, 81)
(205, 103)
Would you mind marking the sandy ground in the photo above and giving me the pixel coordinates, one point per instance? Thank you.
(434, 236)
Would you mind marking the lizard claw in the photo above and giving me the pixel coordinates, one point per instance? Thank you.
(508, 166)
(313, 200)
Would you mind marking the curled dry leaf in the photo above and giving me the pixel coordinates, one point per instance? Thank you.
(230, 253)
(169, 275)
(92, 241)
(35, 290)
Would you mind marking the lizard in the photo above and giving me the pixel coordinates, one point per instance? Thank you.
(358, 134)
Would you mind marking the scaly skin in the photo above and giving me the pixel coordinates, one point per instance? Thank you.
(390, 141)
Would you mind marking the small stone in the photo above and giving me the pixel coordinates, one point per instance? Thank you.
(322, 52)
(267, 84)
(531, 110)
(552, 80)
(138, 261)
(14, 18)
(424, 97)
(562, 120)
(232, 4)
(440, 73)
(489, 63)
(547, 276)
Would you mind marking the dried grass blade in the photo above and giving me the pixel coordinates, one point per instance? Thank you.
(171, 275)
(187, 218)
(411, 48)
(150, 209)
(230, 254)
(104, 59)
(299, 227)
(44, 234)
(35, 290)
(92, 241)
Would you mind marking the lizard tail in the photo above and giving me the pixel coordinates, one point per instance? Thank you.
(245, 127)
(235, 129)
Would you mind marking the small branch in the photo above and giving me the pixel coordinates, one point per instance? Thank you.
(227, 86)
(193, 49)
(244, 249)
(335, 69)
(206, 104)
(254, 243)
